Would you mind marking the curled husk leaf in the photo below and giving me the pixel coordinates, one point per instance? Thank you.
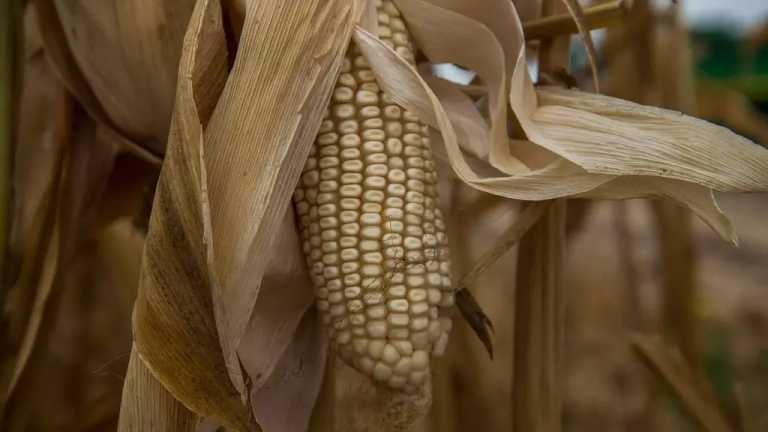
(577, 144)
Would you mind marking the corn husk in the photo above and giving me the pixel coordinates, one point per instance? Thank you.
(222, 197)
(592, 140)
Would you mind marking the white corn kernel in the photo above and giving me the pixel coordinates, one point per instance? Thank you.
(371, 230)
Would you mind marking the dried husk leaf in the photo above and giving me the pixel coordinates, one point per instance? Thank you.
(285, 401)
(528, 9)
(593, 138)
(62, 60)
(216, 214)
(36, 149)
(38, 246)
(61, 224)
(258, 139)
(283, 303)
(174, 328)
(641, 140)
(147, 405)
(404, 85)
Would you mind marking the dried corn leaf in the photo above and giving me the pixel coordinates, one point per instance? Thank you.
(146, 405)
(593, 138)
(697, 199)
(404, 85)
(61, 58)
(216, 214)
(111, 40)
(612, 136)
(61, 223)
(36, 152)
(174, 328)
(257, 142)
(39, 241)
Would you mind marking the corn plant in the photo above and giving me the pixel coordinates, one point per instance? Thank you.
(303, 152)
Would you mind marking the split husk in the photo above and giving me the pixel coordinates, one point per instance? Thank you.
(221, 199)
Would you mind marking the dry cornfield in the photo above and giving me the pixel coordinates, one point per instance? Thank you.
(368, 215)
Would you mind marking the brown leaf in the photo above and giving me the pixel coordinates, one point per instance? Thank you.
(174, 329)
(257, 142)
(62, 224)
(128, 53)
(236, 148)
(146, 405)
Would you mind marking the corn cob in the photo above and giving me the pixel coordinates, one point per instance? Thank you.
(371, 227)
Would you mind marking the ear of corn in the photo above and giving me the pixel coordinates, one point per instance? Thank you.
(371, 227)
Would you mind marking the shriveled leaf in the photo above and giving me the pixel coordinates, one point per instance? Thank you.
(174, 327)
(236, 149)
(61, 57)
(470, 309)
(578, 142)
(37, 149)
(257, 141)
(697, 199)
(61, 224)
(487, 59)
(406, 87)
(612, 136)
(147, 405)
(27, 299)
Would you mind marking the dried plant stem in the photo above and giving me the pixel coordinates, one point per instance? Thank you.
(625, 247)
(530, 215)
(443, 414)
(539, 315)
(468, 306)
(598, 16)
(323, 414)
(539, 326)
(698, 398)
(9, 11)
(678, 276)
